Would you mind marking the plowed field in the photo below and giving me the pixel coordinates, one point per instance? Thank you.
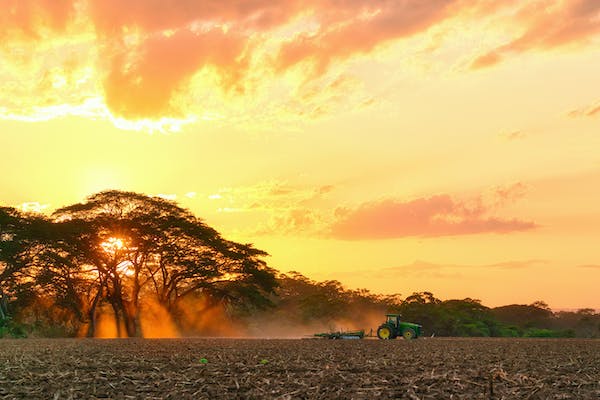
(299, 369)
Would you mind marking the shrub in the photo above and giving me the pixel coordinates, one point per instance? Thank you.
(541, 333)
(9, 329)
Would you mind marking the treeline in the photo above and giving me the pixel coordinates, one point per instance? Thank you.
(137, 262)
(328, 304)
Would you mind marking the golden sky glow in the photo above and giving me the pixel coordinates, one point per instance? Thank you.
(449, 146)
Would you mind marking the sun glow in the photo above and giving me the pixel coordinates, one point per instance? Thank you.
(96, 108)
(33, 207)
(113, 244)
(126, 268)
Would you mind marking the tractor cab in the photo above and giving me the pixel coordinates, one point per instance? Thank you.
(392, 319)
(394, 327)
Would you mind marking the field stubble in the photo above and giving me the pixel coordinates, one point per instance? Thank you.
(299, 369)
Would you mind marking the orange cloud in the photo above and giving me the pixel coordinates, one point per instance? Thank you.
(111, 16)
(548, 25)
(142, 87)
(428, 217)
(358, 27)
(149, 52)
(486, 60)
(177, 40)
(27, 18)
(503, 195)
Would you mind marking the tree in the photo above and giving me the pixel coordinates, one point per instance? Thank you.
(136, 246)
(525, 316)
(20, 237)
(64, 270)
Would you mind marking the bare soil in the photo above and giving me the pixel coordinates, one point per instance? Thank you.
(299, 369)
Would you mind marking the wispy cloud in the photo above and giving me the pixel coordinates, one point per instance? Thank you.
(419, 267)
(591, 110)
(547, 25)
(358, 27)
(436, 270)
(513, 135)
(590, 266)
(286, 209)
(517, 264)
(501, 196)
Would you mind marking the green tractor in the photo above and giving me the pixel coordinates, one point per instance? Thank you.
(393, 327)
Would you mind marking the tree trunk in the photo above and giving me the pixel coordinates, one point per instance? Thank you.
(117, 312)
(92, 315)
(3, 305)
(132, 320)
(135, 303)
(118, 305)
(92, 326)
(138, 322)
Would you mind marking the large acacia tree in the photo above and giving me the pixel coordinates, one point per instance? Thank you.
(134, 246)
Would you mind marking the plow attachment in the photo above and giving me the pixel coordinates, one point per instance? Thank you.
(341, 335)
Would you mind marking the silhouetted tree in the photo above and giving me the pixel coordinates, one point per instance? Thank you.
(65, 270)
(20, 238)
(140, 245)
(525, 316)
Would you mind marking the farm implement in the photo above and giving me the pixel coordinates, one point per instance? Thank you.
(341, 335)
(391, 328)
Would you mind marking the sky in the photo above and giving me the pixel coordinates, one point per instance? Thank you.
(450, 146)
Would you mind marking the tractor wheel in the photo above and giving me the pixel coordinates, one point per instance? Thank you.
(384, 333)
(408, 334)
